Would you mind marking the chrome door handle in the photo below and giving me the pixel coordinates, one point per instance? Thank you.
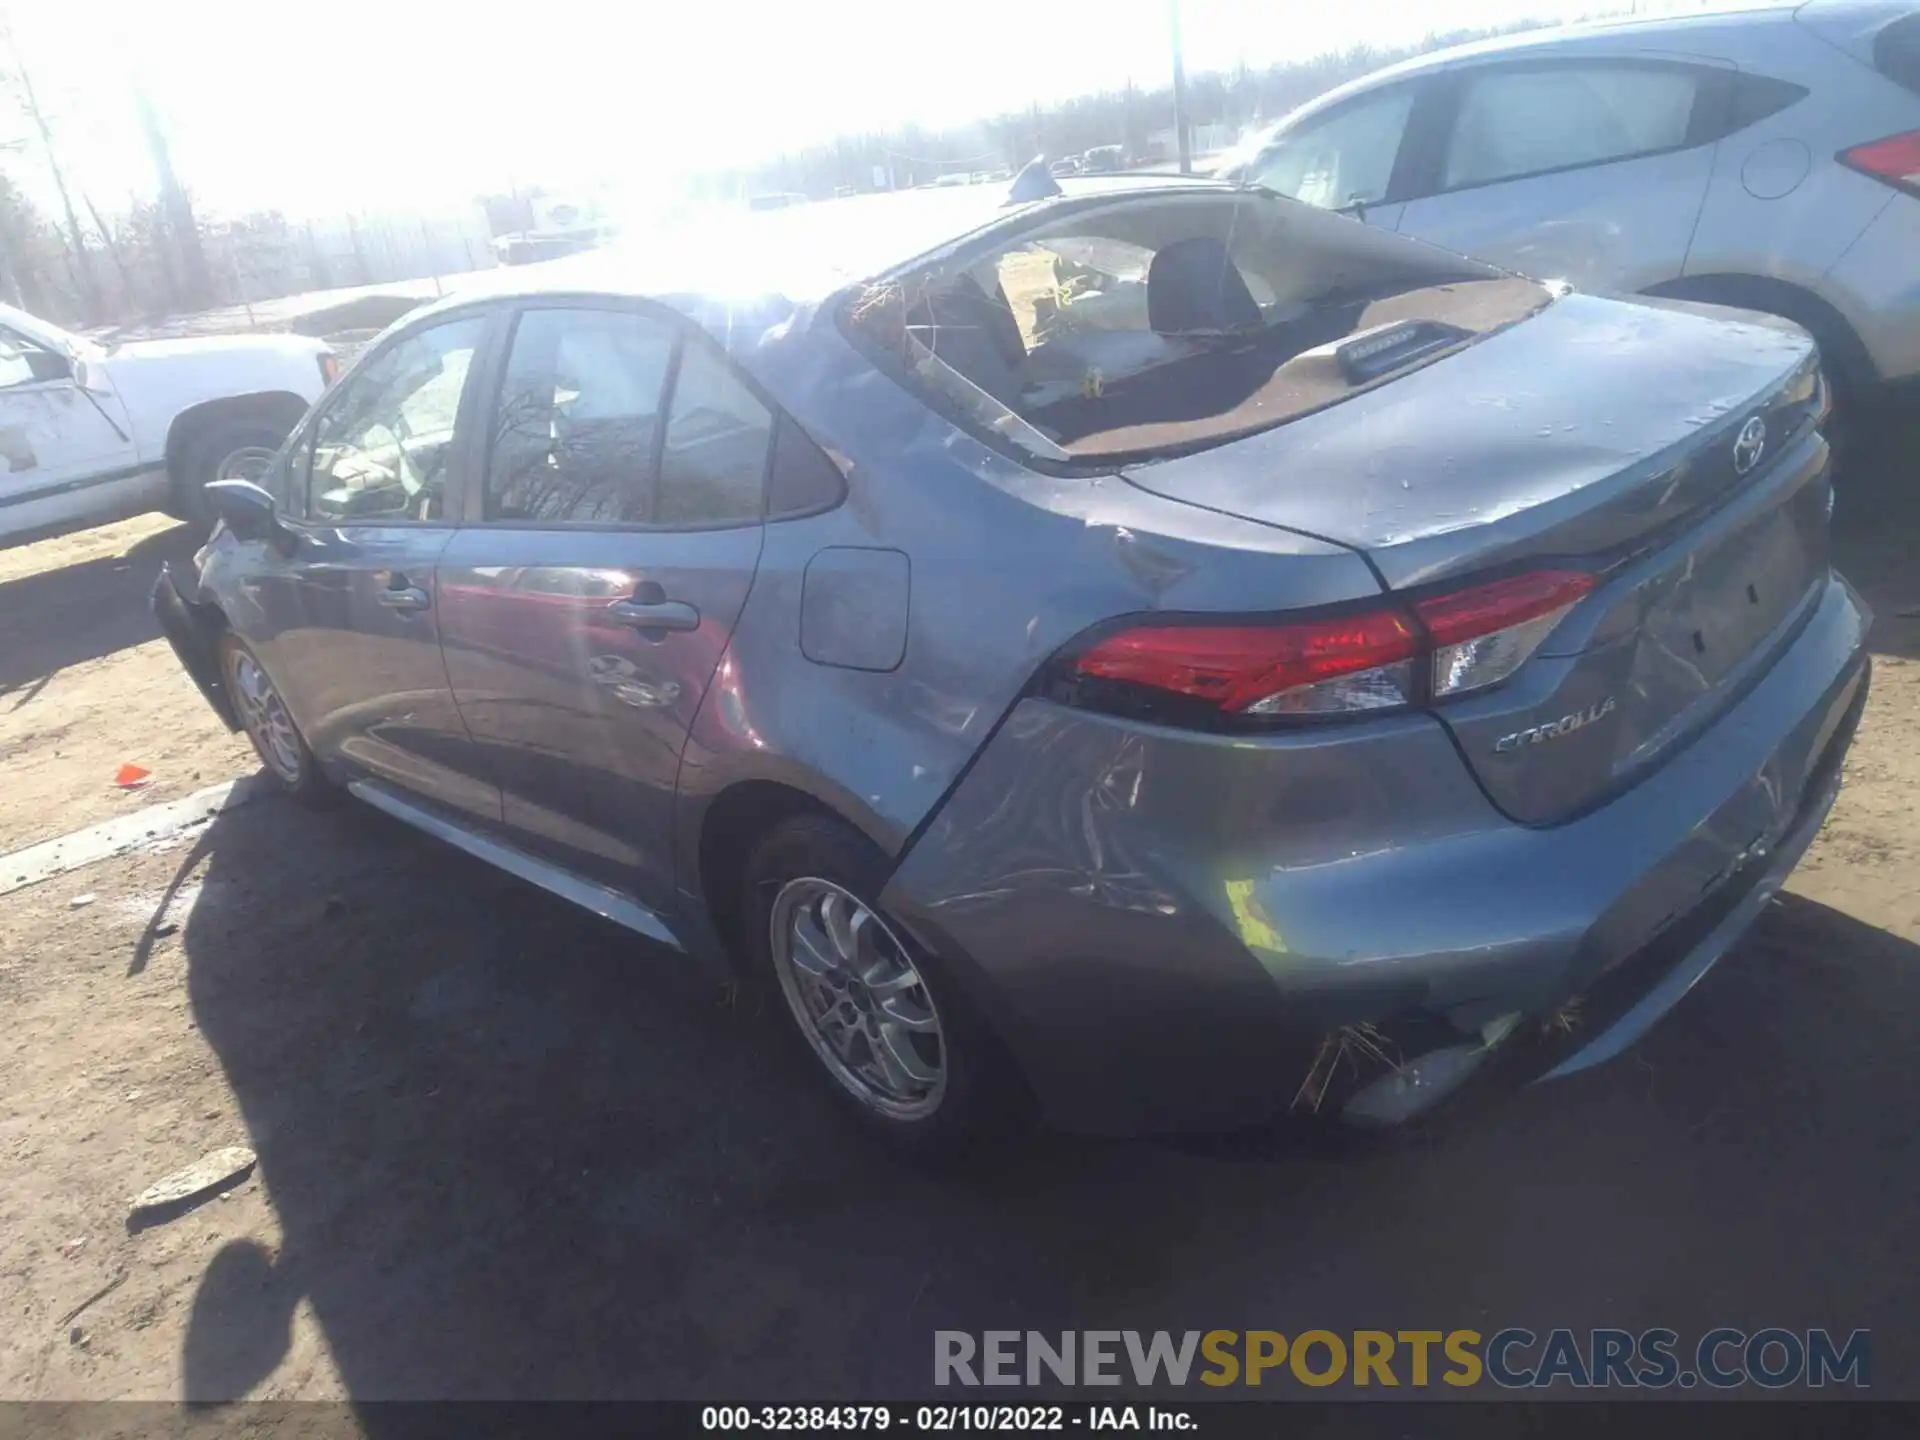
(409, 597)
(655, 614)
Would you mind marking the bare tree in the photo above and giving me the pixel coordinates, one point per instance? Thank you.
(22, 80)
(183, 231)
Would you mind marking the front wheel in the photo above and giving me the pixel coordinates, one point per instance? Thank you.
(241, 449)
(897, 1042)
(269, 724)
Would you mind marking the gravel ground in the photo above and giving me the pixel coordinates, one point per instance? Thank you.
(507, 1151)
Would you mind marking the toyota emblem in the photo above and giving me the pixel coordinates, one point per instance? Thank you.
(1750, 446)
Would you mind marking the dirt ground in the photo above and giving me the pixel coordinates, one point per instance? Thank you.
(85, 685)
(507, 1151)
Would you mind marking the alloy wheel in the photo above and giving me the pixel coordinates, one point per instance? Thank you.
(265, 717)
(858, 999)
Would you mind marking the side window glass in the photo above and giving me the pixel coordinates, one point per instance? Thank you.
(382, 448)
(1344, 158)
(714, 464)
(577, 426)
(22, 362)
(286, 478)
(802, 479)
(1526, 122)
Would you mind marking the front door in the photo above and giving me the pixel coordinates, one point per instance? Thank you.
(64, 454)
(356, 622)
(585, 610)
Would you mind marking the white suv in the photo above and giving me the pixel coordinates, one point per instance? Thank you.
(1767, 159)
(90, 433)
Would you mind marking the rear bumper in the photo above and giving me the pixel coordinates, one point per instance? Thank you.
(194, 642)
(1166, 927)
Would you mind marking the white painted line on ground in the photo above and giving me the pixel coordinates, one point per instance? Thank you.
(124, 833)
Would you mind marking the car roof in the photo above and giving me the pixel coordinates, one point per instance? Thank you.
(1578, 35)
(736, 270)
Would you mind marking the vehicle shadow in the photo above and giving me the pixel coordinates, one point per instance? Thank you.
(515, 1154)
(81, 612)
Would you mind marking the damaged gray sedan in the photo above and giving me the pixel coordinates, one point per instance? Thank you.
(1158, 656)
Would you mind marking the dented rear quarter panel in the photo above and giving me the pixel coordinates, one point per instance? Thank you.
(1005, 566)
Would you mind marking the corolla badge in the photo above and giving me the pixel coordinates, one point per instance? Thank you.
(1554, 729)
(1749, 445)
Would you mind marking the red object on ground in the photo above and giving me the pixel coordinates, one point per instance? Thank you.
(132, 777)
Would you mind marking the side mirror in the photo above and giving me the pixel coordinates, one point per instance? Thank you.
(248, 511)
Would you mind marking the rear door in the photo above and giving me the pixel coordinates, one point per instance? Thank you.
(350, 622)
(586, 607)
(1586, 170)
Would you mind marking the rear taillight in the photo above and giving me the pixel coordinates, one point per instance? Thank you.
(1315, 667)
(1481, 636)
(1896, 160)
(329, 367)
(1370, 660)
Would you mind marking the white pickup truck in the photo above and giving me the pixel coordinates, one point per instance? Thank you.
(90, 433)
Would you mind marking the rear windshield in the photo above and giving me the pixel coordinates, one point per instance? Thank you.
(1156, 325)
(1896, 52)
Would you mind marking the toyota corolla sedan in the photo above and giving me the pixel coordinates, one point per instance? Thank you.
(1153, 657)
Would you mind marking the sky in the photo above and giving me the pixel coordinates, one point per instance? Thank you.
(381, 105)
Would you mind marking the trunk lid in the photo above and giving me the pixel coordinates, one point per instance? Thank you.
(1598, 435)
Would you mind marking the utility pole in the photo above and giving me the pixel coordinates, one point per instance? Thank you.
(90, 294)
(1182, 137)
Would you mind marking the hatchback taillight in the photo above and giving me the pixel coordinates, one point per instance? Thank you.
(1369, 660)
(1896, 160)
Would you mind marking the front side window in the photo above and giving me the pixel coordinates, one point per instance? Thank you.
(1519, 122)
(382, 449)
(23, 362)
(608, 417)
(1344, 159)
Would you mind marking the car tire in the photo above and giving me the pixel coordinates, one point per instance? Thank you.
(924, 1072)
(269, 725)
(237, 449)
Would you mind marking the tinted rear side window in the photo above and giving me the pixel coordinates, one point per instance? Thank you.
(714, 463)
(576, 429)
(803, 480)
(1755, 97)
(1896, 52)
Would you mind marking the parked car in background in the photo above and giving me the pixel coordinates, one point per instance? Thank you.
(1103, 160)
(1160, 653)
(1767, 159)
(91, 432)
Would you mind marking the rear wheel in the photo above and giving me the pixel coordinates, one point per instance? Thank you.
(238, 449)
(269, 724)
(896, 1041)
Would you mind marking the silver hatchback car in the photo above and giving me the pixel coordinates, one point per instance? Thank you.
(1766, 157)
(1161, 656)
